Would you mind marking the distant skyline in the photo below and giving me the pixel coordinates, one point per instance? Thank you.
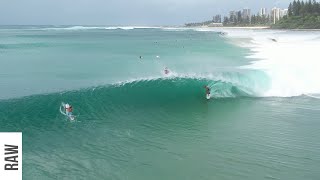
(122, 12)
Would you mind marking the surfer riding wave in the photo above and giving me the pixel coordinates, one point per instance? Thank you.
(67, 110)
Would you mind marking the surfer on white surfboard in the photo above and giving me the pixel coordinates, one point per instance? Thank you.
(67, 111)
(208, 94)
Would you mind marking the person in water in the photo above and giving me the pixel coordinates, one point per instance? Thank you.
(207, 90)
(68, 110)
(166, 71)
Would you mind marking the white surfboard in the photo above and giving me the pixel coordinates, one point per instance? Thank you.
(62, 111)
(208, 96)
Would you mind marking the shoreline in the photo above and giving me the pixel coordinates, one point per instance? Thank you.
(231, 27)
(253, 27)
(245, 27)
(189, 27)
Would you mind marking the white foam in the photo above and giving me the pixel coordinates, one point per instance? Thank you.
(72, 28)
(291, 61)
(76, 28)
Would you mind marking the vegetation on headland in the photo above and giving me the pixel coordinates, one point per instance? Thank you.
(301, 15)
(298, 22)
(239, 21)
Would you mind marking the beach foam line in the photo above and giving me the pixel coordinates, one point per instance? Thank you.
(75, 28)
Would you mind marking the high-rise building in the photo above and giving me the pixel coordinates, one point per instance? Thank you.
(232, 16)
(283, 12)
(246, 15)
(275, 14)
(239, 16)
(263, 12)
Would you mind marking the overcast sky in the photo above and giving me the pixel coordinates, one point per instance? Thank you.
(122, 12)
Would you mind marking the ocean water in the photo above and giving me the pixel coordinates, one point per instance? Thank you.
(135, 122)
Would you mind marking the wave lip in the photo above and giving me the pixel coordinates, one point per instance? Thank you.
(223, 85)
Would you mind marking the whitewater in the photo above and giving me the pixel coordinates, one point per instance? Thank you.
(291, 62)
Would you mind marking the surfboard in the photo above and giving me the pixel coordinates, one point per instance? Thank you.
(72, 117)
(208, 96)
(62, 111)
(62, 107)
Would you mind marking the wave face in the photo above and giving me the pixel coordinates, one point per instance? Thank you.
(154, 90)
(164, 89)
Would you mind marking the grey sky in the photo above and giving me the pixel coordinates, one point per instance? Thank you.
(122, 12)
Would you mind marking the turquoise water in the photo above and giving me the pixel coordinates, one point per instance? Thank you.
(134, 122)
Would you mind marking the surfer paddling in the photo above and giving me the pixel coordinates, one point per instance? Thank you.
(166, 71)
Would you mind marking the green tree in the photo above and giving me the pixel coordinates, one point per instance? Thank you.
(258, 19)
(294, 8)
(303, 9)
(298, 8)
(290, 10)
(309, 7)
(315, 7)
(225, 21)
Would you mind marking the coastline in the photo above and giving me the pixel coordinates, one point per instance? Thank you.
(252, 28)
(230, 27)
(246, 27)
(268, 27)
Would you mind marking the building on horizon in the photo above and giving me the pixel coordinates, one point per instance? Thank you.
(246, 15)
(263, 12)
(277, 14)
(283, 12)
(239, 16)
(232, 16)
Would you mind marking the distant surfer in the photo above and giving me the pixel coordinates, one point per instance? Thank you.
(140, 57)
(223, 33)
(274, 40)
(166, 71)
(68, 110)
(208, 94)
